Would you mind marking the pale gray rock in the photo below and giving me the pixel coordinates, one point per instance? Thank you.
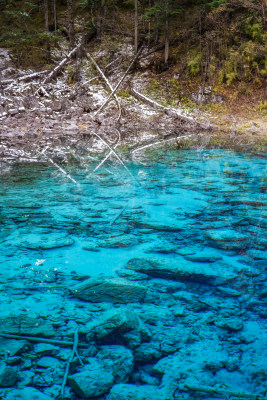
(109, 289)
(49, 362)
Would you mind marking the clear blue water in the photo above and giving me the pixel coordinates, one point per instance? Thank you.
(206, 209)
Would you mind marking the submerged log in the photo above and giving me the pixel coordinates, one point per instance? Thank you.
(34, 339)
(176, 114)
(224, 393)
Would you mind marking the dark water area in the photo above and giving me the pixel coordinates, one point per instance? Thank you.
(159, 269)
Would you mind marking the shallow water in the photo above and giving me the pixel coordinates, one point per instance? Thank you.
(202, 209)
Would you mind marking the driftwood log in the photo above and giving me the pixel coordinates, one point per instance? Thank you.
(171, 112)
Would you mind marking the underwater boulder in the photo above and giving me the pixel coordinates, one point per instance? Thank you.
(12, 347)
(28, 393)
(8, 375)
(93, 380)
(142, 392)
(227, 239)
(122, 322)
(119, 360)
(182, 270)
(230, 324)
(44, 240)
(109, 289)
(26, 325)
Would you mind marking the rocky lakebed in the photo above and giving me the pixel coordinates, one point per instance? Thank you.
(137, 283)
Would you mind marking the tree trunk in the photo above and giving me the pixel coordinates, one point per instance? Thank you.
(54, 14)
(167, 33)
(70, 23)
(46, 18)
(113, 13)
(135, 26)
(156, 32)
(149, 24)
(99, 22)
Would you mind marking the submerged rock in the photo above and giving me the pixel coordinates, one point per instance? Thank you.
(109, 289)
(134, 392)
(122, 322)
(25, 325)
(231, 324)
(93, 380)
(182, 271)
(119, 360)
(13, 347)
(227, 239)
(8, 375)
(45, 241)
(28, 393)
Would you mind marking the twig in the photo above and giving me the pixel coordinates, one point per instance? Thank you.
(74, 352)
(63, 343)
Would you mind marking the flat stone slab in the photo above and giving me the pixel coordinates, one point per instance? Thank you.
(227, 239)
(182, 271)
(45, 241)
(134, 392)
(109, 289)
(27, 393)
(27, 326)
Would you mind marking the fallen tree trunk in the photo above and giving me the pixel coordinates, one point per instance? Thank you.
(63, 62)
(176, 114)
(107, 83)
(119, 83)
(25, 78)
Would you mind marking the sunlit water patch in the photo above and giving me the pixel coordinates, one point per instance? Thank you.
(185, 229)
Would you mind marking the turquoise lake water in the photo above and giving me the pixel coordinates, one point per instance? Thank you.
(204, 209)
